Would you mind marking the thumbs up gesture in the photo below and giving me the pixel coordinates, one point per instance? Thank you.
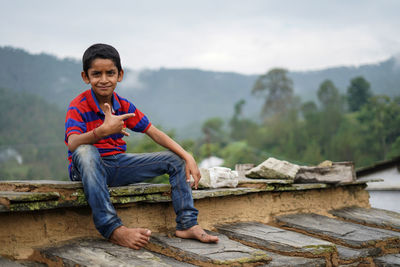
(114, 124)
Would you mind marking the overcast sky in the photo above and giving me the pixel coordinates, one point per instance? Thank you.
(224, 35)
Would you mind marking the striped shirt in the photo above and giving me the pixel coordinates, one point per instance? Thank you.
(84, 114)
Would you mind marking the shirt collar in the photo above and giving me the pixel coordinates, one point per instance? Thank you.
(115, 103)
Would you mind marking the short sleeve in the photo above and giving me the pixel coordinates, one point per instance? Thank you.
(74, 123)
(138, 123)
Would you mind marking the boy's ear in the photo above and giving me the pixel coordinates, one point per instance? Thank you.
(85, 78)
(120, 75)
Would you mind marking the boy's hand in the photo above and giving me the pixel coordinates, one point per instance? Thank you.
(192, 169)
(114, 124)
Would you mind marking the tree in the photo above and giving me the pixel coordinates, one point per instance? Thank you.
(358, 93)
(308, 109)
(278, 88)
(330, 116)
(214, 134)
(241, 128)
(328, 95)
(380, 119)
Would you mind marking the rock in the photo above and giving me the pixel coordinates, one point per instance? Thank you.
(337, 172)
(274, 169)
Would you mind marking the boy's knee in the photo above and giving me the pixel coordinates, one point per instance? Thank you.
(177, 161)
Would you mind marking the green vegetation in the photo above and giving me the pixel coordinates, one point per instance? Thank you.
(358, 127)
(343, 113)
(31, 138)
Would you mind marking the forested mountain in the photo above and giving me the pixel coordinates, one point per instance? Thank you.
(214, 113)
(177, 98)
(31, 137)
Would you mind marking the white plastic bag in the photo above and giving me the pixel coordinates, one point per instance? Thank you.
(217, 177)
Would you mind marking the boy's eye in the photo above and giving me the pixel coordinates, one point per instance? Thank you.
(111, 72)
(95, 74)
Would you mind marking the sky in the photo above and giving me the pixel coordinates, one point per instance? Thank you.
(248, 37)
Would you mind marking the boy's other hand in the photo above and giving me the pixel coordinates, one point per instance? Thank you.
(112, 123)
(193, 170)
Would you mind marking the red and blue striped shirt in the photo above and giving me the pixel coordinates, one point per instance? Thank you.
(84, 114)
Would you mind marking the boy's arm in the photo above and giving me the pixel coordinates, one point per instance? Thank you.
(164, 140)
(112, 124)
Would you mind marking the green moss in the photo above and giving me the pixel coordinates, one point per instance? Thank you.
(139, 189)
(32, 206)
(257, 256)
(321, 249)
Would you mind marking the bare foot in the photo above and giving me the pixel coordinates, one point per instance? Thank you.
(196, 232)
(135, 238)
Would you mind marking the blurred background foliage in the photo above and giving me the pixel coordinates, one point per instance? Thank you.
(356, 124)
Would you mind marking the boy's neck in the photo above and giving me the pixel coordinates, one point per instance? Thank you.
(102, 100)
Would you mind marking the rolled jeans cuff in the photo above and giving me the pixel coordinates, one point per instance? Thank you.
(108, 229)
(185, 226)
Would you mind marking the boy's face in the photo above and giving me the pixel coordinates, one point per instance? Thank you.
(103, 77)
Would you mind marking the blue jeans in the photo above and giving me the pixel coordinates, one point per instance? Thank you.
(97, 173)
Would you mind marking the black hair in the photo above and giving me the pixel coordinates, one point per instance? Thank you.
(103, 51)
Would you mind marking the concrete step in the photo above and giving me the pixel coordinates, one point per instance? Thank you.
(226, 251)
(371, 217)
(100, 252)
(344, 233)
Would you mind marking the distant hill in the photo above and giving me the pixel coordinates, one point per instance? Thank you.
(32, 132)
(177, 98)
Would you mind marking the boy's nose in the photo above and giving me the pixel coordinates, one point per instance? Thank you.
(103, 78)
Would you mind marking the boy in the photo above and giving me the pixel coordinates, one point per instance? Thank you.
(96, 121)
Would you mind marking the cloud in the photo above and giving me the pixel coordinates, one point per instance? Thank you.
(248, 37)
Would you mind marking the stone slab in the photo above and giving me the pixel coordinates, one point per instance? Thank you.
(9, 263)
(350, 254)
(335, 172)
(372, 216)
(288, 261)
(139, 189)
(392, 260)
(274, 169)
(299, 187)
(226, 251)
(345, 233)
(42, 183)
(28, 196)
(276, 239)
(99, 252)
(221, 192)
(245, 180)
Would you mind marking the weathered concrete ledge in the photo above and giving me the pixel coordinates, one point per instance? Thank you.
(40, 213)
(46, 194)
